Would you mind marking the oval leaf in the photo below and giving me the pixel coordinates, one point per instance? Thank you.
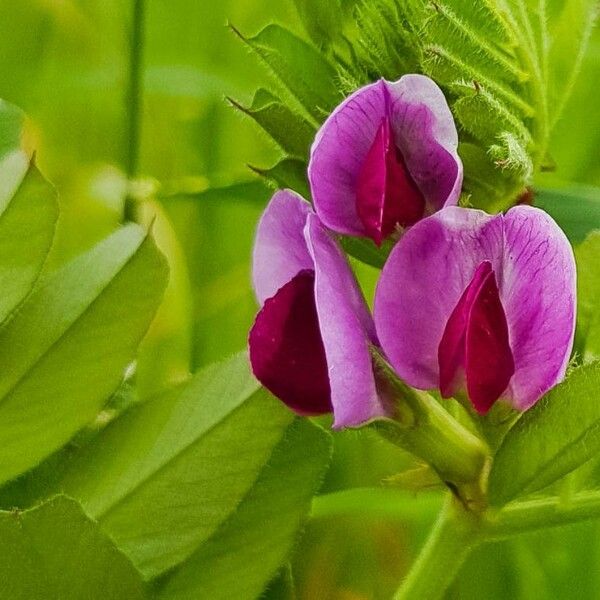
(55, 552)
(163, 477)
(65, 351)
(557, 435)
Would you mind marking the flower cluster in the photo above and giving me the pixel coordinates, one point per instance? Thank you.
(478, 306)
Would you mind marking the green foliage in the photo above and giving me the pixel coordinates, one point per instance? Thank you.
(287, 173)
(289, 130)
(588, 295)
(55, 552)
(164, 477)
(65, 351)
(557, 435)
(304, 72)
(241, 557)
(506, 66)
(575, 208)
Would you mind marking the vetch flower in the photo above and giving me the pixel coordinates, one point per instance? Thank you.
(310, 342)
(469, 302)
(385, 158)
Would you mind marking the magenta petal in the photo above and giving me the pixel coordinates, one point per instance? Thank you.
(424, 132)
(422, 282)
(475, 344)
(431, 266)
(280, 249)
(386, 195)
(538, 292)
(347, 330)
(286, 349)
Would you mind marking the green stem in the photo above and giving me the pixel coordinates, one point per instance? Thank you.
(453, 537)
(134, 101)
(376, 503)
(532, 515)
(420, 425)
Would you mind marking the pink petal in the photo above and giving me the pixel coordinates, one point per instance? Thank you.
(538, 292)
(424, 132)
(280, 249)
(286, 349)
(429, 269)
(347, 330)
(475, 344)
(423, 280)
(386, 194)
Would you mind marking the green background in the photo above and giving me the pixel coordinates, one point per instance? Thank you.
(65, 62)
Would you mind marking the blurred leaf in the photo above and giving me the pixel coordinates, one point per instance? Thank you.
(302, 69)
(242, 556)
(55, 552)
(288, 173)
(321, 20)
(588, 294)
(289, 130)
(570, 26)
(575, 209)
(65, 351)
(27, 225)
(557, 435)
(28, 213)
(164, 477)
(254, 192)
(282, 586)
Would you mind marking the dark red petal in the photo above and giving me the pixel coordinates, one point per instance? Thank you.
(475, 343)
(286, 348)
(386, 195)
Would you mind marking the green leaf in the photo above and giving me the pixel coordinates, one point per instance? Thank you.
(27, 226)
(28, 214)
(366, 251)
(557, 435)
(576, 209)
(287, 173)
(55, 552)
(163, 477)
(65, 350)
(289, 130)
(588, 294)
(571, 23)
(244, 554)
(306, 73)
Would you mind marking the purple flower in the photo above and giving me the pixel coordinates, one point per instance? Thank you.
(479, 303)
(385, 158)
(310, 342)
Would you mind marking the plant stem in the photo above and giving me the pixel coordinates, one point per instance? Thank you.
(452, 538)
(376, 503)
(532, 515)
(420, 425)
(134, 101)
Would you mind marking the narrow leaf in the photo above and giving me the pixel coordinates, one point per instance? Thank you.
(289, 130)
(304, 71)
(288, 173)
(557, 435)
